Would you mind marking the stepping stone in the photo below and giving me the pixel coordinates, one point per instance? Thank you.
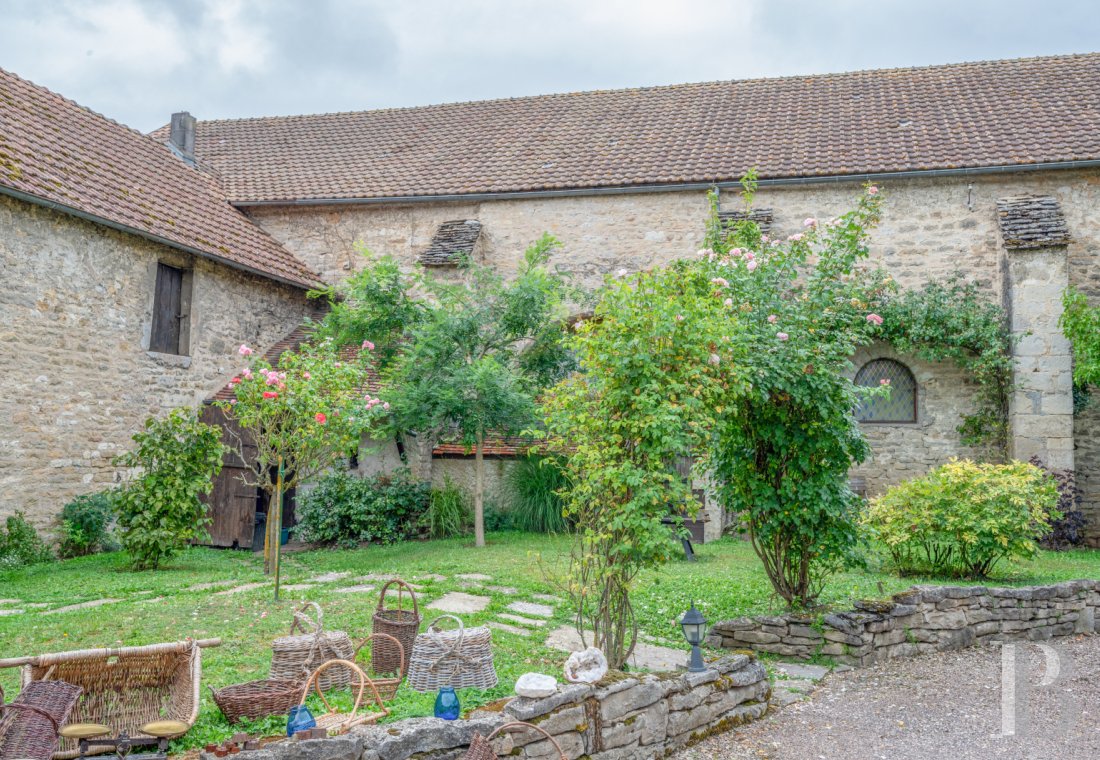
(530, 608)
(459, 602)
(523, 620)
(474, 577)
(801, 670)
(208, 586)
(10, 612)
(647, 656)
(328, 577)
(506, 590)
(296, 586)
(375, 577)
(362, 588)
(241, 589)
(431, 577)
(508, 628)
(9, 601)
(546, 598)
(36, 605)
(154, 599)
(782, 697)
(81, 606)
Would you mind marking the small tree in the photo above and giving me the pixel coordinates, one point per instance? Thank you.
(300, 416)
(158, 510)
(468, 357)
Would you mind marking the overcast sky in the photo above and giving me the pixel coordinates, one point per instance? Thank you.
(137, 61)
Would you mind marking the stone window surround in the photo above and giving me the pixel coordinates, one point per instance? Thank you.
(874, 352)
(187, 264)
(916, 392)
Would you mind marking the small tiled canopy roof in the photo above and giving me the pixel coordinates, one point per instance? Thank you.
(57, 153)
(762, 216)
(452, 243)
(970, 115)
(493, 446)
(1032, 221)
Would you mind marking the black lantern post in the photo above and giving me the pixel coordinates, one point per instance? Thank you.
(695, 630)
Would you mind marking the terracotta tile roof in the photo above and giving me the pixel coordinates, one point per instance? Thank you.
(969, 115)
(1032, 221)
(452, 242)
(55, 151)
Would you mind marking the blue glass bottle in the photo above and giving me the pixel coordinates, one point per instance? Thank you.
(446, 704)
(300, 719)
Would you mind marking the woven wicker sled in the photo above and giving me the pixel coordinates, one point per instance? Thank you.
(124, 688)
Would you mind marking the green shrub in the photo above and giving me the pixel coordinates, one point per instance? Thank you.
(536, 483)
(20, 544)
(346, 510)
(86, 525)
(159, 510)
(499, 518)
(961, 519)
(449, 513)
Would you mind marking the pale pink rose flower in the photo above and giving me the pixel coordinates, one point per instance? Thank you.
(872, 190)
(735, 252)
(764, 238)
(721, 282)
(809, 222)
(386, 405)
(752, 265)
(772, 318)
(715, 359)
(782, 335)
(679, 317)
(874, 319)
(306, 375)
(749, 255)
(884, 381)
(795, 237)
(244, 350)
(728, 302)
(368, 345)
(621, 273)
(247, 373)
(704, 252)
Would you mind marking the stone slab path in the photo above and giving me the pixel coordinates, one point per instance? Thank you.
(509, 628)
(80, 606)
(328, 577)
(241, 589)
(361, 588)
(10, 612)
(647, 656)
(458, 602)
(932, 707)
(531, 608)
(296, 586)
(522, 620)
(474, 577)
(506, 590)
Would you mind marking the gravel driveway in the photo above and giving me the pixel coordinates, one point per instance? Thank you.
(939, 706)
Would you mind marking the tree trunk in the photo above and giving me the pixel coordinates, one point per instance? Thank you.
(278, 532)
(479, 490)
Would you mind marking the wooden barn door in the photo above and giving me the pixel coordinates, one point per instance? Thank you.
(232, 504)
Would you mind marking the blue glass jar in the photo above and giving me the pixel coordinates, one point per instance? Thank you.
(300, 719)
(446, 704)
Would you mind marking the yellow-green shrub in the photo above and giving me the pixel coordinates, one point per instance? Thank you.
(963, 518)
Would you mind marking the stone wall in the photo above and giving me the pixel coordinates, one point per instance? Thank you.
(78, 380)
(624, 718)
(922, 619)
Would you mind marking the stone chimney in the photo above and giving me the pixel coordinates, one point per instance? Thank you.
(182, 135)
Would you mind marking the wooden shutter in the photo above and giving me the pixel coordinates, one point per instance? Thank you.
(165, 337)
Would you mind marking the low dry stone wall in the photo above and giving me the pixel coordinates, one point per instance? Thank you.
(622, 718)
(922, 619)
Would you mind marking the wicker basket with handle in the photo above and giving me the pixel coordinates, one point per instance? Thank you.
(399, 623)
(295, 656)
(461, 658)
(257, 699)
(481, 747)
(386, 683)
(29, 726)
(339, 723)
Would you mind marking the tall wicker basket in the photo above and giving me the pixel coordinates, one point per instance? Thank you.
(397, 622)
(461, 658)
(295, 656)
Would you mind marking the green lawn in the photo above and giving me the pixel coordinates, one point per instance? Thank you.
(156, 606)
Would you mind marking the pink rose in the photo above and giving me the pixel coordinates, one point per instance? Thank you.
(235, 381)
(721, 282)
(306, 375)
(884, 381)
(386, 405)
(764, 238)
(715, 359)
(874, 319)
(735, 252)
(750, 256)
(271, 379)
(782, 335)
(244, 350)
(271, 394)
(752, 265)
(679, 317)
(872, 190)
(368, 345)
(247, 372)
(321, 418)
(704, 252)
(728, 302)
(772, 318)
(810, 222)
(795, 237)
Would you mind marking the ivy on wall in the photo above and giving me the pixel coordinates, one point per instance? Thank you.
(957, 321)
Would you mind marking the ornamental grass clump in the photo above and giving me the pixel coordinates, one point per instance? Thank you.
(963, 518)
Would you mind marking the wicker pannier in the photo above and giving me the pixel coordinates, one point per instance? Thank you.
(399, 623)
(386, 683)
(481, 747)
(294, 657)
(257, 699)
(334, 722)
(29, 726)
(462, 658)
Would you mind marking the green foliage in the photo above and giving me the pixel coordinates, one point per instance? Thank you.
(448, 511)
(20, 544)
(957, 321)
(346, 510)
(1067, 529)
(1081, 324)
(499, 518)
(782, 446)
(962, 518)
(158, 509)
(86, 525)
(536, 485)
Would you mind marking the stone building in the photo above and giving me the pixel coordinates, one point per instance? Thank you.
(990, 169)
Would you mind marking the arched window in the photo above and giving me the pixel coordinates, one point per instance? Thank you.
(900, 405)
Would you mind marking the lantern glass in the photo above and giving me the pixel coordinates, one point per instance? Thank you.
(694, 625)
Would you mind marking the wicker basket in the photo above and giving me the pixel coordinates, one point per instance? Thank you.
(294, 657)
(399, 623)
(257, 699)
(338, 723)
(462, 658)
(29, 726)
(386, 683)
(481, 747)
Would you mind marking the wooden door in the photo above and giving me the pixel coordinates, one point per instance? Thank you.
(232, 503)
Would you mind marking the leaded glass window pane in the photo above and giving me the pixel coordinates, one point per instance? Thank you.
(900, 405)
